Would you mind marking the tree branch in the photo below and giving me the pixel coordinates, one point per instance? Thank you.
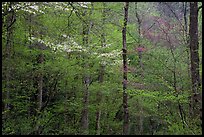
(170, 8)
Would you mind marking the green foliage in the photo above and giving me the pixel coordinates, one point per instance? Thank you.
(55, 31)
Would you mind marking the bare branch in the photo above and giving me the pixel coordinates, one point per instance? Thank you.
(169, 7)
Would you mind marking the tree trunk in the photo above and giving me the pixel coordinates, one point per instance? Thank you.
(10, 19)
(125, 96)
(141, 118)
(139, 22)
(98, 100)
(98, 116)
(86, 77)
(196, 97)
(186, 36)
(40, 60)
(101, 74)
(40, 83)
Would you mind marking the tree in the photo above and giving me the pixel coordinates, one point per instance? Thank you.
(196, 96)
(62, 69)
(140, 50)
(10, 19)
(101, 72)
(125, 70)
(185, 34)
(86, 77)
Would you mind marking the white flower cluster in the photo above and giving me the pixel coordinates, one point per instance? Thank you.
(34, 9)
(30, 7)
(112, 54)
(111, 58)
(47, 43)
(69, 46)
(60, 5)
(83, 4)
(117, 62)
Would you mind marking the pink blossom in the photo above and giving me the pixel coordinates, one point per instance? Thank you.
(140, 49)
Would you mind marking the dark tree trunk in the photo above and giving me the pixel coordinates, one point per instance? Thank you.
(125, 96)
(196, 97)
(10, 19)
(40, 60)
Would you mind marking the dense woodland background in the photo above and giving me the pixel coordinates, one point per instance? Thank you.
(102, 68)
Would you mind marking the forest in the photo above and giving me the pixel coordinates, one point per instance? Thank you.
(101, 68)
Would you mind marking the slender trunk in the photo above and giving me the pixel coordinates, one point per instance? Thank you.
(141, 66)
(66, 120)
(30, 29)
(180, 108)
(86, 77)
(40, 83)
(196, 97)
(139, 23)
(98, 116)
(139, 39)
(101, 74)
(185, 22)
(9, 43)
(125, 96)
(25, 43)
(98, 99)
(141, 117)
(174, 68)
(84, 119)
(40, 90)
(186, 36)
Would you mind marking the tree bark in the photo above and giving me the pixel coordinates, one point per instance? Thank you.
(86, 77)
(98, 99)
(40, 60)
(186, 36)
(140, 100)
(101, 73)
(139, 22)
(196, 96)
(124, 49)
(40, 82)
(9, 44)
(98, 116)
